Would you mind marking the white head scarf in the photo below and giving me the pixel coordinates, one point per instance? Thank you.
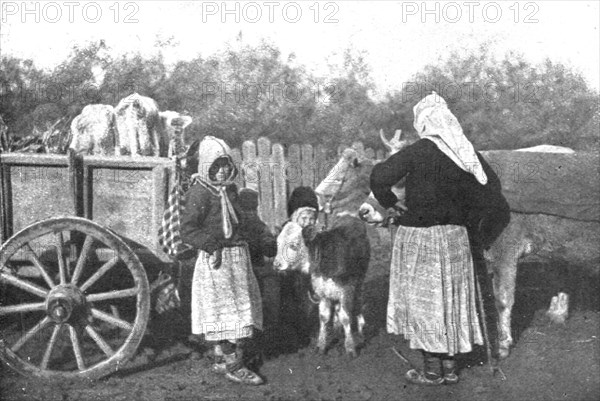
(209, 150)
(434, 121)
(304, 215)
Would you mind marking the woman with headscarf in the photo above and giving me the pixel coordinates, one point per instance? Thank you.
(451, 192)
(226, 302)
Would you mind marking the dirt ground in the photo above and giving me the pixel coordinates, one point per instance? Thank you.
(549, 362)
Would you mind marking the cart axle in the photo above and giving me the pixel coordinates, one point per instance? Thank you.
(64, 301)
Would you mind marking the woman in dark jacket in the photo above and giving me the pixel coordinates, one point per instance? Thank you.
(226, 302)
(450, 191)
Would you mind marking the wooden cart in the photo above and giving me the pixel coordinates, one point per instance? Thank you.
(79, 249)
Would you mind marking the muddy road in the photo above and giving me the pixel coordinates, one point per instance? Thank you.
(549, 362)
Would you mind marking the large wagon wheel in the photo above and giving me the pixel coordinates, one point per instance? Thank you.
(83, 313)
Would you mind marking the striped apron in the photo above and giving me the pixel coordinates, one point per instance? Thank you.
(432, 290)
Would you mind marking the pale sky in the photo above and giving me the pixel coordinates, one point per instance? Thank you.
(399, 37)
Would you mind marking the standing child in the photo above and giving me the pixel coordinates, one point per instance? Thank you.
(303, 206)
(297, 309)
(226, 303)
(262, 243)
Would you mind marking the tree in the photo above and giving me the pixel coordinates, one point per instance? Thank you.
(245, 92)
(20, 91)
(506, 104)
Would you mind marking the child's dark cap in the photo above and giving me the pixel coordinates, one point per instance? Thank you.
(248, 199)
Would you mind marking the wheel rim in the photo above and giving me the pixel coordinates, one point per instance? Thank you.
(74, 300)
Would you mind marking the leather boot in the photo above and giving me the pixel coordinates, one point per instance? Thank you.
(430, 375)
(449, 369)
(238, 373)
(219, 366)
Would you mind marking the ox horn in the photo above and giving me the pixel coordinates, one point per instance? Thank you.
(395, 144)
(385, 140)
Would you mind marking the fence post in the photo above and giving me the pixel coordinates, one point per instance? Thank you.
(250, 169)
(293, 168)
(308, 177)
(320, 158)
(279, 187)
(265, 183)
(236, 155)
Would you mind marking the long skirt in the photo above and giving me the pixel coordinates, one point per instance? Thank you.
(226, 302)
(432, 290)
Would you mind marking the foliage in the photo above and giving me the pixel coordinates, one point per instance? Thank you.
(245, 92)
(18, 95)
(508, 104)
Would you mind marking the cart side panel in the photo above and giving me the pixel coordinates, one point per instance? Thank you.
(34, 188)
(129, 197)
(38, 187)
(124, 194)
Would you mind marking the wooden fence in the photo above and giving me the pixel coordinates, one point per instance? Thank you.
(274, 171)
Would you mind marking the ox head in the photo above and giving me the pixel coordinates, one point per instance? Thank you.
(347, 187)
(370, 210)
(144, 130)
(94, 130)
(347, 184)
(138, 125)
(292, 252)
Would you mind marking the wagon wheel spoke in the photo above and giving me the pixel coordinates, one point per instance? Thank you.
(50, 346)
(23, 284)
(76, 348)
(87, 245)
(99, 341)
(98, 314)
(60, 243)
(101, 271)
(43, 323)
(32, 307)
(115, 311)
(37, 263)
(103, 296)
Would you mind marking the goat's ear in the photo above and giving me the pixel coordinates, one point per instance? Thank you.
(309, 233)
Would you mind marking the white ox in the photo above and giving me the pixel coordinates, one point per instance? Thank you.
(135, 127)
(93, 131)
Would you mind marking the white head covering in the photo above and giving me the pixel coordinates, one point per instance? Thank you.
(304, 214)
(209, 150)
(434, 121)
